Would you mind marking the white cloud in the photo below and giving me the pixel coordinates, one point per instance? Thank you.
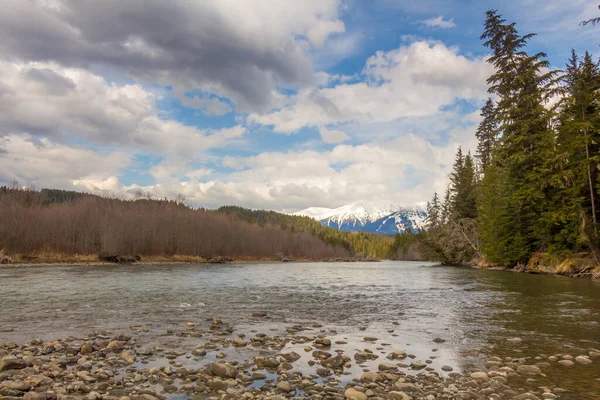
(48, 100)
(332, 135)
(43, 163)
(439, 22)
(412, 81)
(403, 170)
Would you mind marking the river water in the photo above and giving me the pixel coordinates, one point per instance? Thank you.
(404, 304)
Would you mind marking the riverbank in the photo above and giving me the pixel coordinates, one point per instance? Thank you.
(224, 364)
(63, 260)
(542, 264)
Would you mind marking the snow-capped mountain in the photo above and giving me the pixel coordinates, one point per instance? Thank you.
(364, 216)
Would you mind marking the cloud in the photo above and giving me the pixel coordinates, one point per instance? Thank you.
(412, 81)
(43, 163)
(237, 49)
(64, 104)
(439, 22)
(332, 135)
(401, 170)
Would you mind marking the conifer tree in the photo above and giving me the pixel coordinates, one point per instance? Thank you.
(434, 212)
(579, 155)
(486, 134)
(526, 143)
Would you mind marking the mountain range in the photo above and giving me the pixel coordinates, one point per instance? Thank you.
(368, 217)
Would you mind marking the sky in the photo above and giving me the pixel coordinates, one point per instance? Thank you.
(271, 104)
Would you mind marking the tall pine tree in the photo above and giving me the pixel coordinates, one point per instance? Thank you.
(486, 134)
(526, 142)
(579, 156)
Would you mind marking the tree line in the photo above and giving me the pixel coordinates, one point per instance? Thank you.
(533, 185)
(359, 244)
(51, 222)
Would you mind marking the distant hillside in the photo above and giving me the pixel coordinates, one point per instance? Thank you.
(363, 216)
(358, 243)
(55, 222)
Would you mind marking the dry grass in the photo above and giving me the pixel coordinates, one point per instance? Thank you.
(568, 265)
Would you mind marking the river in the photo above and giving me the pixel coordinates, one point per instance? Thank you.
(403, 304)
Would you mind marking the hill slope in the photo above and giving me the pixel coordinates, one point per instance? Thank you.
(59, 223)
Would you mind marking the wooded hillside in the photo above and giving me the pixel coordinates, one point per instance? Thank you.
(55, 221)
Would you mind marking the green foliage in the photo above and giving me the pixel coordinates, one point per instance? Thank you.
(407, 246)
(537, 184)
(451, 236)
(486, 134)
(360, 244)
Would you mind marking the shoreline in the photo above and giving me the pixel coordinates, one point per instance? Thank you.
(70, 262)
(541, 270)
(304, 360)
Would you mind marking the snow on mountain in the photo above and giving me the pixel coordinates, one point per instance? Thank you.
(364, 216)
(317, 213)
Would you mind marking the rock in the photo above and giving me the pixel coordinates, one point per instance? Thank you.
(365, 355)
(16, 385)
(127, 357)
(353, 394)
(257, 376)
(447, 368)
(199, 352)
(284, 386)
(119, 259)
(272, 362)
(370, 377)
(583, 360)
(239, 342)
(525, 396)
(398, 396)
(438, 340)
(417, 365)
(480, 376)
(566, 363)
(387, 367)
(514, 340)
(34, 396)
(334, 362)
(528, 370)
(370, 339)
(6, 365)
(116, 345)
(396, 355)
(217, 384)
(224, 370)
(323, 342)
(291, 357)
(407, 387)
(39, 380)
(86, 348)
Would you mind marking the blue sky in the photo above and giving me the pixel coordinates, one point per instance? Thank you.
(266, 104)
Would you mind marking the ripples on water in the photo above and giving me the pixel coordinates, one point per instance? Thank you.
(419, 301)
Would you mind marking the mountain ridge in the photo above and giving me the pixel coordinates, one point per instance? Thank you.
(362, 216)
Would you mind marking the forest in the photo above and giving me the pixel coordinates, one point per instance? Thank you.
(530, 193)
(50, 224)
